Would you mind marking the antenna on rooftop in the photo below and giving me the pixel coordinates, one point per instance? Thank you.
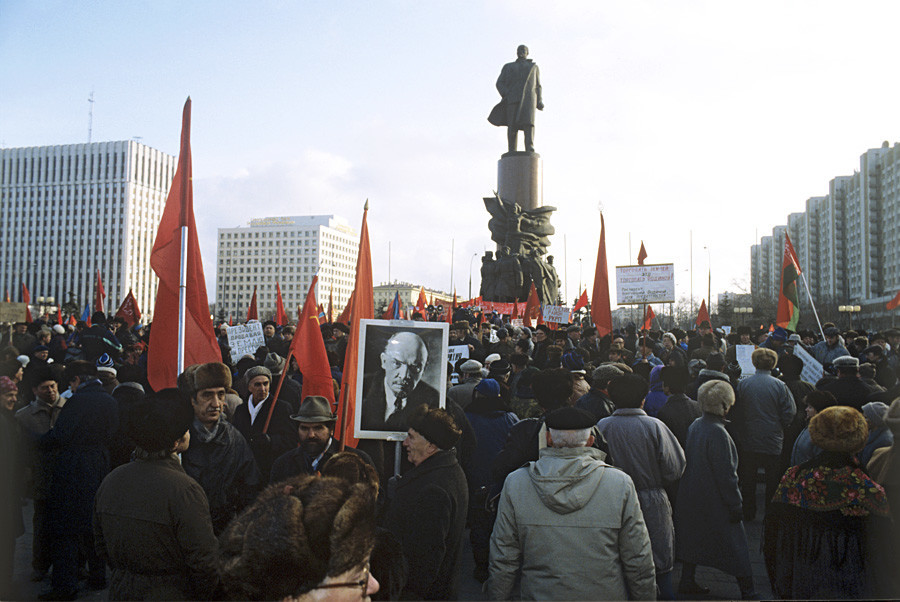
(90, 116)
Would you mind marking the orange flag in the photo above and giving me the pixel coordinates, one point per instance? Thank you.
(280, 316)
(601, 313)
(363, 308)
(582, 301)
(421, 302)
(99, 294)
(26, 299)
(893, 303)
(251, 311)
(703, 314)
(648, 318)
(532, 307)
(308, 348)
(345, 314)
(200, 344)
(129, 310)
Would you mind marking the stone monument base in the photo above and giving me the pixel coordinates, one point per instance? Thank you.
(520, 179)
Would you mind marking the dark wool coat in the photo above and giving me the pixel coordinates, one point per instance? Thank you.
(81, 434)
(282, 433)
(679, 412)
(296, 462)
(708, 510)
(152, 526)
(225, 469)
(427, 513)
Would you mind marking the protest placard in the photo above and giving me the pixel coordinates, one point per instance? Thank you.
(12, 312)
(558, 314)
(245, 339)
(812, 370)
(638, 284)
(456, 353)
(743, 353)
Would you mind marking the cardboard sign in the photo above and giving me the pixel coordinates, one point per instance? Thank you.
(639, 284)
(456, 353)
(812, 370)
(245, 339)
(743, 353)
(11, 313)
(558, 314)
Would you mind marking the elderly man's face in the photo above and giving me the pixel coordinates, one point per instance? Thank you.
(43, 354)
(618, 343)
(47, 391)
(314, 437)
(259, 387)
(403, 362)
(418, 448)
(208, 404)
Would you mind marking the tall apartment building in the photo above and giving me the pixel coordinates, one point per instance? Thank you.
(848, 243)
(68, 211)
(288, 251)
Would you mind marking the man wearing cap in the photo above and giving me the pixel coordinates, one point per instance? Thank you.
(573, 337)
(218, 457)
(427, 508)
(830, 349)
(290, 389)
(597, 401)
(848, 388)
(268, 437)
(315, 425)
(571, 524)
(397, 387)
(471, 376)
(97, 340)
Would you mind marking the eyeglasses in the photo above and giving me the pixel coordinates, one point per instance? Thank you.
(363, 583)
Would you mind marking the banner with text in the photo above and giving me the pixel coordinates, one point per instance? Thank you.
(245, 339)
(652, 283)
(812, 370)
(557, 314)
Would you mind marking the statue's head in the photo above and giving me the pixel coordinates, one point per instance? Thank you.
(522, 51)
(488, 256)
(550, 259)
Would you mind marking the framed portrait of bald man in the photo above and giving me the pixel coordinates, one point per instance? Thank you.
(402, 365)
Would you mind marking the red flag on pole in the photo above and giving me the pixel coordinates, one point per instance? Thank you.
(703, 314)
(648, 318)
(582, 301)
(251, 311)
(26, 299)
(230, 320)
(321, 315)
(363, 308)
(421, 302)
(788, 313)
(308, 348)
(451, 309)
(345, 314)
(532, 307)
(893, 303)
(99, 294)
(72, 320)
(280, 317)
(642, 254)
(59, 315)
(515, 310)
(177, 224)
(601, 314)
(129, 310)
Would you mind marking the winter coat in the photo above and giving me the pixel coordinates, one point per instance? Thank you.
(152, 526)
(850, 391)
(763, 409)
(462, 393)
(427, 513)
(880, 437)
(678, 414)
(280, 438)
(11, 475)
(225, 469)
(804, 449)
(708, 527)
(97, 340)
(826, 355)
(597, 402)
(296, 462)
(574, 526)
(80, 437)
(656, 397)
(647, 450)
(491, 425)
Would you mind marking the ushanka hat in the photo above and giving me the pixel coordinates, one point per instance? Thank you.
(437, 426)
(839, 429)
(160, 420)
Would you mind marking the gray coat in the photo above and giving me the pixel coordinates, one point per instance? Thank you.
(573, 524)
(646, 449)
(462, 393)
(763, 409)
(708, 511)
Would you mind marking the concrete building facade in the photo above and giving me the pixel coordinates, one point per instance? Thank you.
(70, 210)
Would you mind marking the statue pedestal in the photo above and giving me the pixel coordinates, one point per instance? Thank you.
(520, 179)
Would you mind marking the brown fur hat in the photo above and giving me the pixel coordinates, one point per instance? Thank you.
(716, 397)
(204, 376)
(764, 359)
(297, 533)
(839, 429)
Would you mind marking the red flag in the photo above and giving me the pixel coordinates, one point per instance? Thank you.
(26, 299)
(451, 309)
(308, 348)
(230, 320)
(321, 315)
(389, 312)
(582, 301)
(363, 308)
(280, 317)
(345, 314)
(329, 316)
(59, 315)
(771, 328)
(515, 310)
(129, 310)
(642, 254)
(648, 318)
(893, 303)
(532, 307)
(703, 314)
(7, 296)
(72, 320)
(200, 344)
(788, 313)
(421, 302)
(251, 311)
(99, 294)
(601, 313)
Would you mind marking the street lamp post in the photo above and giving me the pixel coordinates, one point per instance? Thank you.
(849, 310)
(743, 311)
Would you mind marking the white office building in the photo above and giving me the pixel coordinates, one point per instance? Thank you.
(288, 251)
(68, 211)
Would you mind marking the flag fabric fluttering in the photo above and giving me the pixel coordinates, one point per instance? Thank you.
(363, 308)
(321, 314)
(99, 294)
(788, 314)
(582, 301)
(703, 314)
(252, 314)
(396, 313)
(893, 303)
(199, 339)
(532, 307)
(129, 310)
(345, 313)
(59, 319)
(422, 303)
(280, 316)
(26, 299)
(452, 309)
(642, 254)
(601, 313)
(86, 314)
(308, 348)
(648, 318)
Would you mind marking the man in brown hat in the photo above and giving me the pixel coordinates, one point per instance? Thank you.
(317, 443)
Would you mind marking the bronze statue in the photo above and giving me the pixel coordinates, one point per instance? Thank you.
(520, 86)
(519, 230)
(509, 280)
(489, 276)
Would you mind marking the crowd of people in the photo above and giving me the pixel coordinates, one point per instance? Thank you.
(580, 466)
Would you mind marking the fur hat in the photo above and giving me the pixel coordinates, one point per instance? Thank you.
(297, 533)
(716, 397)
(764, 359)
(160, 420)
(437, 426)
(204, 376)
(275, 363)
(839, 429)
(258, 371)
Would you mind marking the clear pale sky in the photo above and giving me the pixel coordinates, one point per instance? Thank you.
(713, 117)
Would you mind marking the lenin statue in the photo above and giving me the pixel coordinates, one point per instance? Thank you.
(520, 86)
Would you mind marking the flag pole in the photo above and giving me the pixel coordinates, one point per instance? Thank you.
(182, 297)
(812, 304)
